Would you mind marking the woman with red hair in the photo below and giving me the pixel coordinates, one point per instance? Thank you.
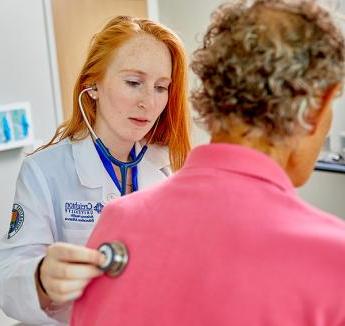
(129, 129)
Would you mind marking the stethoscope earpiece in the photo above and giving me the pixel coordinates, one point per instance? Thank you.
(116, 258)
(91, 91)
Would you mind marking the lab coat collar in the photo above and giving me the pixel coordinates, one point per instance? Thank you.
(88, 165)
(158, 156)
(240, 159)
(150, 169)
(92, 173)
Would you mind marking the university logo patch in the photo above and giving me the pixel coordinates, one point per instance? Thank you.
(17, 220)
(82, 211)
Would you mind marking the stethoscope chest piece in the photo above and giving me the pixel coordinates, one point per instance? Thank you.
(116, 258)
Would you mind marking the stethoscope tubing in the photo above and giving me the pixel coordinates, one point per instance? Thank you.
(124, 166)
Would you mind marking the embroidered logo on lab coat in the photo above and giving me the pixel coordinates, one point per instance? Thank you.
(17, 220)
(98, 207)
(82, 211)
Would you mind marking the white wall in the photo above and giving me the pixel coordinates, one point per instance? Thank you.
(25, 75)
(190, 19)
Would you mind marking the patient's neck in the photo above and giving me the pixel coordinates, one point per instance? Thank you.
(278, 151)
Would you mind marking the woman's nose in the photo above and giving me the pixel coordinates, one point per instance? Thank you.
(147, 98)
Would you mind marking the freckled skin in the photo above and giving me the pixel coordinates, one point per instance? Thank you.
(139, 74)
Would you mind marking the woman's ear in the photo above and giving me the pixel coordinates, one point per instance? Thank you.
(316, 118)
(306, 148)
(93, 93)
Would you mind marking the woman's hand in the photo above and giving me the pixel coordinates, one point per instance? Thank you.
(66, 270)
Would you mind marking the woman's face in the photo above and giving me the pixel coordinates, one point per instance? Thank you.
(134, 90)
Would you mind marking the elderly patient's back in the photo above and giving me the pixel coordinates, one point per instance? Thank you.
(223, 242)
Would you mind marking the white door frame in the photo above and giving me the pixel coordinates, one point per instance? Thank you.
(153, 10)
(53, 61)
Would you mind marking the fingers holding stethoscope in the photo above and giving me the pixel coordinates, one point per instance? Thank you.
(72, 271)
(67, 269)
(74, 253)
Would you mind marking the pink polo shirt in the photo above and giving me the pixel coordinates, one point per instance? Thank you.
(225, 241)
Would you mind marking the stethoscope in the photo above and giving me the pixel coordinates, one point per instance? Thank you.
(116, 258)
(106, 156)
(115, 252)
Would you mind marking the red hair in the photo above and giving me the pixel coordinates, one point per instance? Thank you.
(173, 129)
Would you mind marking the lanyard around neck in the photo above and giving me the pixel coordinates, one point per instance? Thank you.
(111, 172)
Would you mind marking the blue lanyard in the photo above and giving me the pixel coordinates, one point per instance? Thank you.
(110, 170)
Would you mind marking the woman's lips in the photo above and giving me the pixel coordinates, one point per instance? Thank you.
(139, 122)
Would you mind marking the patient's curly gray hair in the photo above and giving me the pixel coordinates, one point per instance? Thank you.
(263, 62)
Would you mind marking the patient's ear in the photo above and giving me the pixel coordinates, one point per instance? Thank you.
(306, 147)
(320, 118)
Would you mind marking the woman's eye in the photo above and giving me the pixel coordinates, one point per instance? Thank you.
(132, 83)
(162, 89)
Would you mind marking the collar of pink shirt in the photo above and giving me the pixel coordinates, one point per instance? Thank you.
(239, 159)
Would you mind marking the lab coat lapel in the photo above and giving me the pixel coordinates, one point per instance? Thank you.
(92, 173)
(90, 169)
(149, 169)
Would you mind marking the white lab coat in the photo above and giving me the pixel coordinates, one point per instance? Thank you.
(61, 190)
